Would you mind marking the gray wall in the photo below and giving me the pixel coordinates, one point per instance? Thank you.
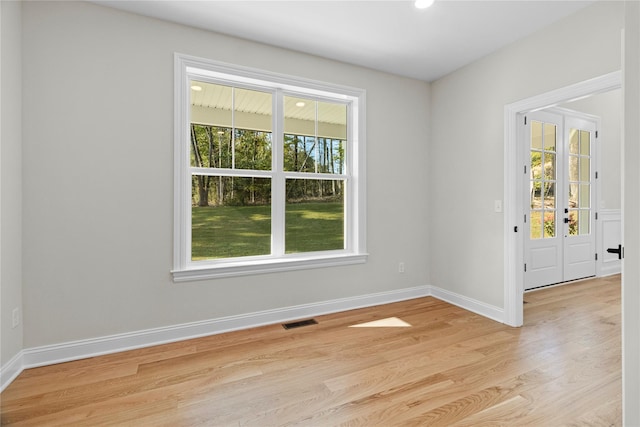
(98, 172)
(631, 211)
(10, 180)
(466, 163)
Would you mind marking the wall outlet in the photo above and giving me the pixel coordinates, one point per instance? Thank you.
(15, 317)
(401, 267)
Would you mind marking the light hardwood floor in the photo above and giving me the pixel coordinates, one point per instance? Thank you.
(450, 368)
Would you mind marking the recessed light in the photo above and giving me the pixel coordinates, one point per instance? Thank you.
(300, 104)
(423, 4)
(196, 88)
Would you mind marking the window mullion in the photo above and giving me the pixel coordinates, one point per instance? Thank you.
(233, 128)
(315, 135)
(278, 196)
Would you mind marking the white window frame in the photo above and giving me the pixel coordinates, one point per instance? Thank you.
(184, 269)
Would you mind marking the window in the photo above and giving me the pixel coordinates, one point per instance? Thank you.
(269, 172)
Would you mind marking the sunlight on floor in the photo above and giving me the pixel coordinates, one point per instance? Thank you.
(389, 322)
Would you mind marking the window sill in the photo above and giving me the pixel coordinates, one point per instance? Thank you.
(245, 268)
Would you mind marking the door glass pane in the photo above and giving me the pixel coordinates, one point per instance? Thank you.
(584, 169)
(230, 217)
(585, 143)
(536, 135)
(549, 195)
(585, 199)
(573, 195)
(536, 195)
(549, 137)
(573, 222)
(549, 224)
(584, 222)
(536, 165)
(549, 166)
(536, 224)
(573, 168)
(574, 141)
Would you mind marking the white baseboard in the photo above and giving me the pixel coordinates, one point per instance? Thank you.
(11, 370)
(469, 304)
(75, 350)
(610, 269)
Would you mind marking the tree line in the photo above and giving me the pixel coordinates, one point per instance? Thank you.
(222, 147)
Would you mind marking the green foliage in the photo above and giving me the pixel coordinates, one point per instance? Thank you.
(549, 224)
(214, 147)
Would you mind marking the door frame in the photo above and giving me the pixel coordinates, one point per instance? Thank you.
(568, 115)
(513, 182)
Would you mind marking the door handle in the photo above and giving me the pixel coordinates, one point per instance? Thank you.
(619, 250)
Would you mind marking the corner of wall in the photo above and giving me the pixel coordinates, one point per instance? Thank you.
(11, 339)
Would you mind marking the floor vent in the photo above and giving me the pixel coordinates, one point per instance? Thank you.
(299, 324)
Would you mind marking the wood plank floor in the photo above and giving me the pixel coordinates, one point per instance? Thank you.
(449, 368)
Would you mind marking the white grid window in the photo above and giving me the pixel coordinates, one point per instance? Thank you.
(269, 172)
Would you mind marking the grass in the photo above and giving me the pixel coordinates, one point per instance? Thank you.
(234, 231)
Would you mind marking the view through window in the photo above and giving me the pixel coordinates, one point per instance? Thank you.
(272, 173)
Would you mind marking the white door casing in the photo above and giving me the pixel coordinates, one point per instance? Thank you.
(513, 182)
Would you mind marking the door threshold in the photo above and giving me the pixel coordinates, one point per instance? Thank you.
(553, 285)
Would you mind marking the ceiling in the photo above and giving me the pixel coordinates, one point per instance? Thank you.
(391, 36)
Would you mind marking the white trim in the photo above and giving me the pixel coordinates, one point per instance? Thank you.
(11, 370)
(184, 268)
(246, 268)
(513, 210)
(74, 350)
(487, 310)
(82, 349)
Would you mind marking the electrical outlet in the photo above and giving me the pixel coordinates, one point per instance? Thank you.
(401, 267)
(15, 317)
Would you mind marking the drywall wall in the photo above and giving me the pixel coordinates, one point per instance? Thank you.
(98, 172)
(607, 106)
(10, 180)
(631, 212)
(466, 161)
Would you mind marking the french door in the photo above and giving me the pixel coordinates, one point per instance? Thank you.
(559, 195)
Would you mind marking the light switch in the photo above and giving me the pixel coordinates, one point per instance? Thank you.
(497, 205)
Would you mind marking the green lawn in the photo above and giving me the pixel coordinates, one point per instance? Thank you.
(233, 231)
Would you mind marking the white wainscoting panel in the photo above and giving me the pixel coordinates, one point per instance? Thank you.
(610, 231)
